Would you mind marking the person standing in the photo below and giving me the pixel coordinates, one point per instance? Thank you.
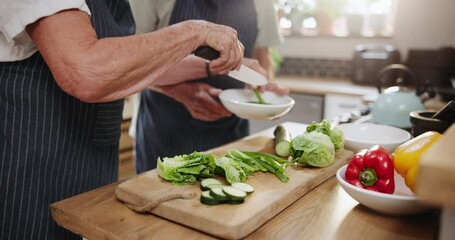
(65, 67)
(187, 117)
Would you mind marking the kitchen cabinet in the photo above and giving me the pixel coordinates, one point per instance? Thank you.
(126, 158)
(126, 155)
(307, 108)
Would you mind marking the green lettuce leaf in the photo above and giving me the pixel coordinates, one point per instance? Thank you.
(232, 170)
(185, 169)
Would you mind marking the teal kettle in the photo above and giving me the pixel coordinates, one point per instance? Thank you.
(394, 105)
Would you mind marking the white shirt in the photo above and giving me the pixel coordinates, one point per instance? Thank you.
(15, 15)
(151, 15)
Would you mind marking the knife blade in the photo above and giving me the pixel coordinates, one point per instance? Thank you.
(248, 75)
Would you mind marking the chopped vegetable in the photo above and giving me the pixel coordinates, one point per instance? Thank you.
(234, 193)
(335, 133)
(243, 186)
(407, 156)
(372, 169)
(205, 183)
(272, 163)
(208, 199)
(312, 149)
(232, 170)
(282, 141)
(185, 169)
(218, 194)
(259, 97)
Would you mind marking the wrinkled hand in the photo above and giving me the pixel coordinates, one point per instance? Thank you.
(224, 39)
(271, 86)
(198, 99)
(276, 88)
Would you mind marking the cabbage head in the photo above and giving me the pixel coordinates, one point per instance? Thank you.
(312, 149)
(335, 133)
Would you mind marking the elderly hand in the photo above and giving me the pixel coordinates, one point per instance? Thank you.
(198, 99)
(271, 86)
(224, 39)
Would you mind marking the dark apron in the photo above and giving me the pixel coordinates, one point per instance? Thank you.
(165, 128)
(53, 146)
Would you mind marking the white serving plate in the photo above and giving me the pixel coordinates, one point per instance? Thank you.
(401, 202)
(365, 135)
(238, 102)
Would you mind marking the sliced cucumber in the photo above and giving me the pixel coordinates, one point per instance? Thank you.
(243, 186)
(234, 193)
(218, 194)
(215, 186)
(208, 199)
(239, 201)
(209, 181)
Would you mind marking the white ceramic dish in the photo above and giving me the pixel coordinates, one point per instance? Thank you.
(365, 135)
(401, 202)
(238, 102)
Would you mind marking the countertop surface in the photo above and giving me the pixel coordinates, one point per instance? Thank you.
(322, 86)
(326, 212)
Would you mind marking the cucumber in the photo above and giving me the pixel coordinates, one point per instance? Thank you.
(209, 181)
(209, 187)
(234, 193)
(208, 199)
(243, 186)
(282, 141)
(218, 194)
(239, 201)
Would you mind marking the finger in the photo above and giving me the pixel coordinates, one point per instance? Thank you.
(242, 53)
(278, 89)
(214, 92)
(207, 100)
(216, 107)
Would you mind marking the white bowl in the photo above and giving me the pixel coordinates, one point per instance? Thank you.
(365, 135)
(401, 202)
(238, 102)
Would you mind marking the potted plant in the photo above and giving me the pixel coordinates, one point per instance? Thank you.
(326, 11)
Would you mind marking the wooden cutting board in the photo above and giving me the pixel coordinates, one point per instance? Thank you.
(234, 221)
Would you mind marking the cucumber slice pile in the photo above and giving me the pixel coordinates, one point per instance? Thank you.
(243, 186)
(214, 192)
(207, 182)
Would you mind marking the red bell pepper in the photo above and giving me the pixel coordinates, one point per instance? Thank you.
(372, 169)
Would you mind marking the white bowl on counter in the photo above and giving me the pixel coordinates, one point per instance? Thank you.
(365, 135)
(238, 101)
(401, 202)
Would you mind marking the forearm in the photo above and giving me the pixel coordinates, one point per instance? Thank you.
(141, 59)
(106, 69)
(97, 70)
(189, 68)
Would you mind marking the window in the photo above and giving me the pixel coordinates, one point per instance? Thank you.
(364, 18)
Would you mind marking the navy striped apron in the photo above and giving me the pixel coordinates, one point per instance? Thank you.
(53, 146)
(165, 128)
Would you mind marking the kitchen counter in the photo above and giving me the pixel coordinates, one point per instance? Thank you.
(322, 86)
(326, 212)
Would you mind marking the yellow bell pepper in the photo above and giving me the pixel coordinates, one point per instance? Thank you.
(407, 156)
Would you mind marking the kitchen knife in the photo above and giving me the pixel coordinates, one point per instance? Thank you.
(248, 75)
(245, 74)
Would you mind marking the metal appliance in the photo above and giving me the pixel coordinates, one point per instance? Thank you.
(369, 59)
